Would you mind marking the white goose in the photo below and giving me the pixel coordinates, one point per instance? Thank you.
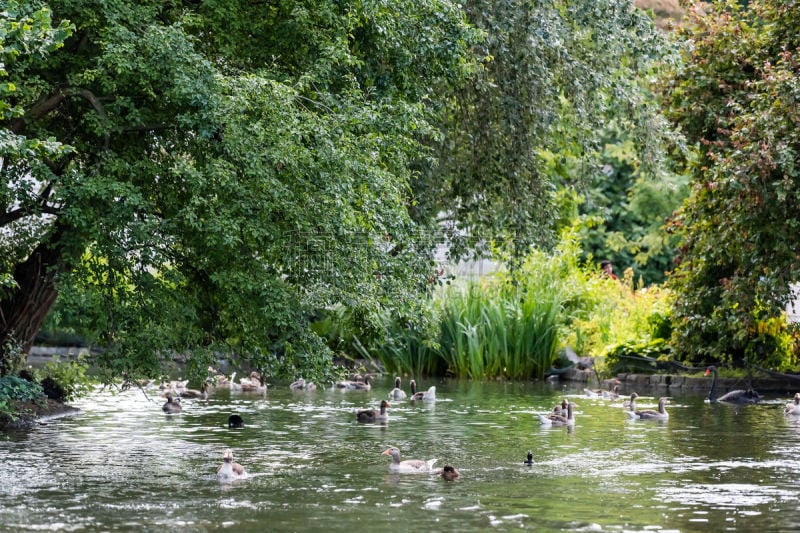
(230, 470)
(409, 466)
(425, 396)
(397, 393)
(793, 407)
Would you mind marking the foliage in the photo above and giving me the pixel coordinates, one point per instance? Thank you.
(234, 167)
(69, 376)
(626, 207)
(740, 225)
(553, 74)
(619, 313)
(639, 357)
(14, 389)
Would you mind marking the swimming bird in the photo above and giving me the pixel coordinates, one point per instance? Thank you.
(529, 460)
(425, 396)
(738, 396)
(449, 473)
(349, 384)
(397, 393)
(561, 408)
(201, 394)
(235, 422)
(558, 420)
(302, 384)
(254, 384)
(649, 414)
(793, 407)
(409, 466)
(612, 393)
(631, 404)
(362, 385)
(371, 415)
(173, 405)
(230, 470)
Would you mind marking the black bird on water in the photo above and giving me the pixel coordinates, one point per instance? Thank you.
(529, 460)
(235, 421)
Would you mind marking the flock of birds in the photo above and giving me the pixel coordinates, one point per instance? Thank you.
(561, 415)
(230, 470)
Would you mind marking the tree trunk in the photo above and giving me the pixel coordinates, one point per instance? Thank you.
(24, 311)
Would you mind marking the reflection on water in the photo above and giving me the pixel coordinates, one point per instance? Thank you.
(123, 464)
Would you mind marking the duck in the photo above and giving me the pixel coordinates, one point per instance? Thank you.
(448, 473)
(371, 415)
(173, 404)
(409, 466)
(425, 396)
(254, 384)
(302, 384)
(397, 393)
(558, 420)
(201, 394)
(229, 469)
(529, 460)
(235, 421)
(739, 396)
(793, 407)
(649, 414)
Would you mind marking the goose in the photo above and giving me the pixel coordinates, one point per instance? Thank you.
(649, 414)
(738, 396)
(232, 385)
(302, 384)
(362, 385)
(254, 384)
(425, 396)
(793, 407)
(173, 385)
(201, 394)
(612, 392)
(560, 408)
(230, 470)
(173, 405)
(235, 421)
(371, 415)
(631, 404)
(449, 473)
(397, 393)
(558, 420)
(349, 384)
(409, 466)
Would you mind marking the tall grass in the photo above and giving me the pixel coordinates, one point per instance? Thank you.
(513, 324)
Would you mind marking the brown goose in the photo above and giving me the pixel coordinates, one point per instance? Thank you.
(558, 420)
(409, 466)
(302, 384)
(371, 415)
(201, 394)
(254, 384)
(173, 405)
(649, 414)
(230, 470)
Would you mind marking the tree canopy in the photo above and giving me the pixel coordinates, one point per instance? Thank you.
(736, 98)
(205, 177)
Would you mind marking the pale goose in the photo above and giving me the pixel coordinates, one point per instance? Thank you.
(397, 393)
(409, 466)
(649, 414)
(230, 470)
(558, 420)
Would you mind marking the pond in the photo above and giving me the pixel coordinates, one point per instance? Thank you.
(122, 464)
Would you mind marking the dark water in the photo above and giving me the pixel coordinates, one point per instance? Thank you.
(122, 465)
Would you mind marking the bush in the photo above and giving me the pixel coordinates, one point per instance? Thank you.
(64, 380)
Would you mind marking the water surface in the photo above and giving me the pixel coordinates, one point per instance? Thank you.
(124, 465)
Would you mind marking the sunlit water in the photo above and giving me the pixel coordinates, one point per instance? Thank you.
(122, 465)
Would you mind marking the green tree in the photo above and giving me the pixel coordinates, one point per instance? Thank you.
(232, 167)
(736, 100)
(554, 73)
